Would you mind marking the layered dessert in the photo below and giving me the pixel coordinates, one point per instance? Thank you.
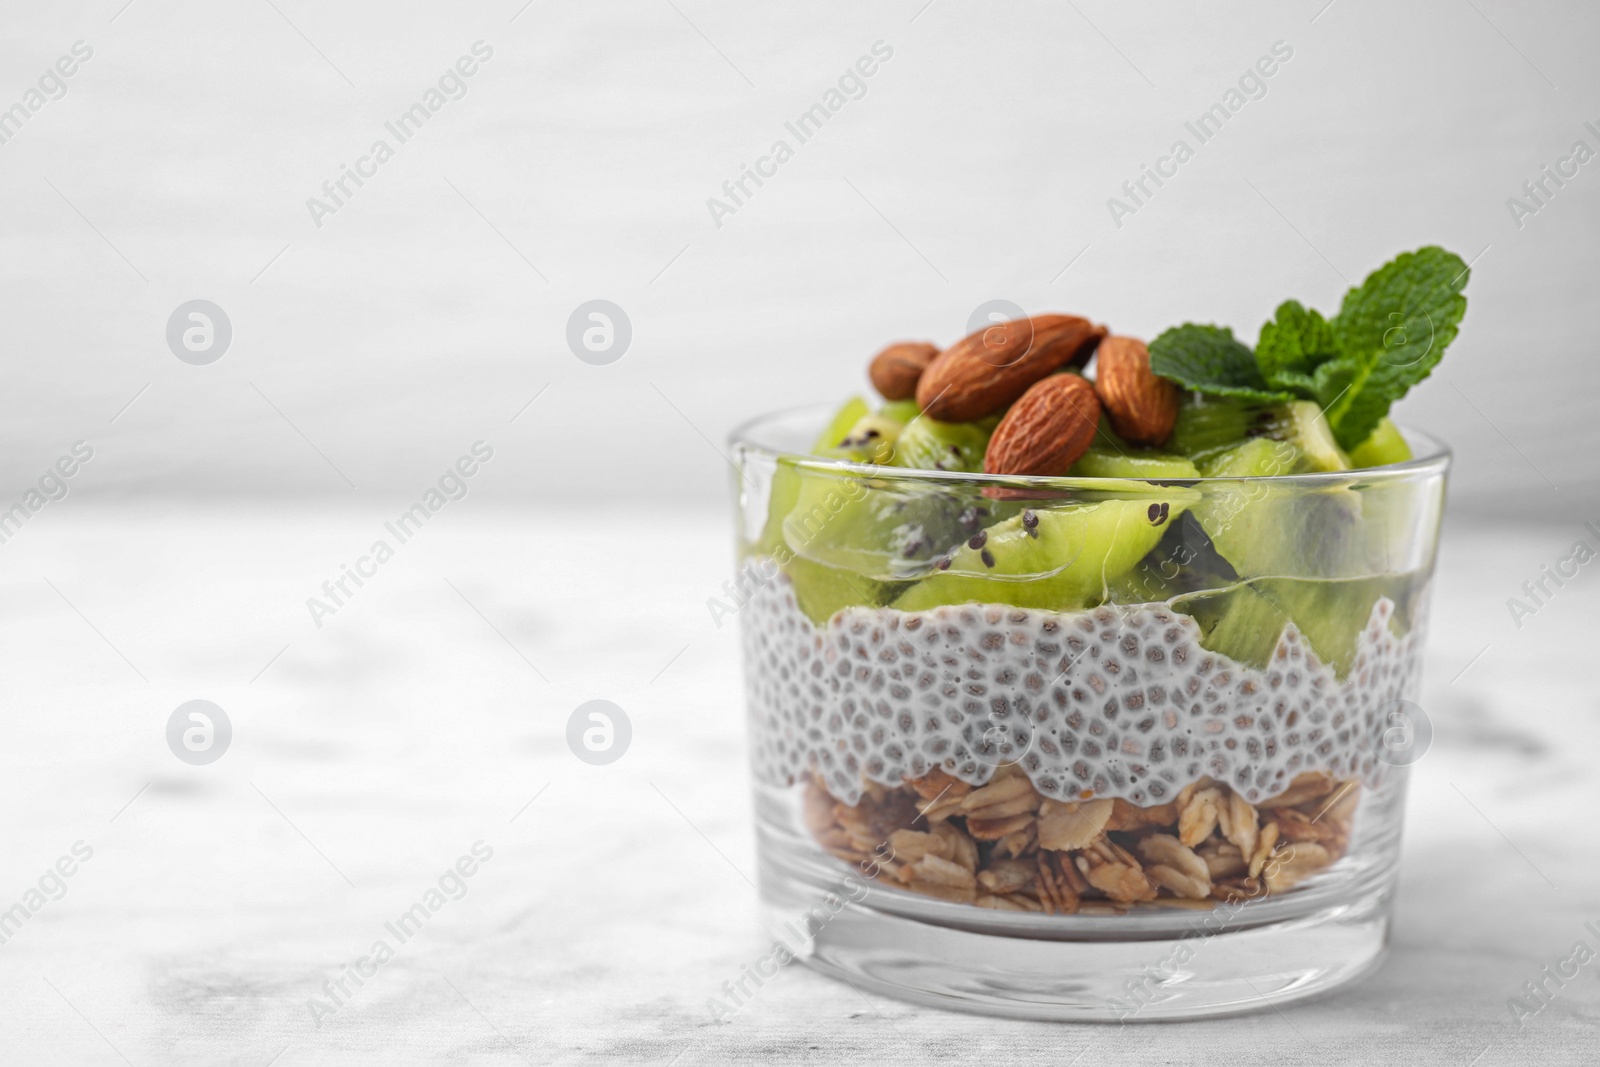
(1070, 623)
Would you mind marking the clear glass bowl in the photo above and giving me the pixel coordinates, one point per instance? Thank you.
(1080, 748)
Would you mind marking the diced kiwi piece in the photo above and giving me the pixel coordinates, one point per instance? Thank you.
(872, 439)
(1265, 528)
(1208, 426)
(1170, 565)
(1385, 446)
(845, 539)
(853, 411)
(1236, 516)
(1131, 463)
(780, 501)
(928, 444)
(1183, 561)
(1107, 439)
(859, 539)
(1245, 622)
(855, 434)
(1306, 553)
(787, 480)
(1060, 558)
(1307, 429)
(1259, 457)
(901, 411)
(1239, 623)
(836, 548)
(821, 590)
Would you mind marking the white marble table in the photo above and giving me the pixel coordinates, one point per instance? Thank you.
(429, 713)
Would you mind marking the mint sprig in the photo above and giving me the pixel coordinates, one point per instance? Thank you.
(1210, 360)
(1392, 331)
(1389, 334)
(1293, 343)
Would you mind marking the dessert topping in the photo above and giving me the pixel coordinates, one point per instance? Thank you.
(896, 370)
(981, 374)
(1047, 430)
(1143, 406)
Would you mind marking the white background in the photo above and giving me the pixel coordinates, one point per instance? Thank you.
(977, 166)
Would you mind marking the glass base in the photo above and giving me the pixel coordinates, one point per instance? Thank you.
(1217, 967)
(1070, 981)
(1173, 959)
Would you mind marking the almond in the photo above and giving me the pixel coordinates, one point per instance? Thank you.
(1047, 430)
(1143, 405)
(895, 370)
(981, 374)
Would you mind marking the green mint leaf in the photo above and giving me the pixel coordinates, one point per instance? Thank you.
(1293, 344)
(1392, 331)
(1208, 359)
(1368, 405)
(1326, 385)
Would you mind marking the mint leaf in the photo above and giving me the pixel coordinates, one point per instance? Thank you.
(1294, 343)
(1326, 385)
(1392, 331)
(1208, 359)
(1389, 333)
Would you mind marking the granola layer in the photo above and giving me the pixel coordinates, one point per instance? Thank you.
(1004, 846)
(1121, 702)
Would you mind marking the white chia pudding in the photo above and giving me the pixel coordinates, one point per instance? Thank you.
(1116, 702)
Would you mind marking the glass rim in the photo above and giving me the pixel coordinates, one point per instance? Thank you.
(1433, 458)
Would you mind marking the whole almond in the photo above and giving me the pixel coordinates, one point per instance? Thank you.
(896, 370)
(1046, 430)
(981, 374)
(1142, 404)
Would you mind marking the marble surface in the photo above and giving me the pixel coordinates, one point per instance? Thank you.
(429, 713)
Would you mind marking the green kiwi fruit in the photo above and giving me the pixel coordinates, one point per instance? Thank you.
(1314, 554)
(850, 413)
(822, 590)
(1209, 426)
(1101, 462)
(901, 411)
(1267, 528)
(1383, 447)
(861, 539)
(928, 444)
(872, 439)
(1183, 561)
(1245, 622)
(1060, 558)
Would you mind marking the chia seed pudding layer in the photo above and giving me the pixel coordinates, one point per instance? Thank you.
(1120, 701)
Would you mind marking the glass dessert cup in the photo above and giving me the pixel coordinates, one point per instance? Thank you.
(1080, 748)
